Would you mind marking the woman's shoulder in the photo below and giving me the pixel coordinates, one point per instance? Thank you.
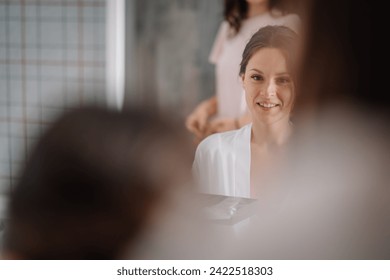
(223, 140)
(214, 141)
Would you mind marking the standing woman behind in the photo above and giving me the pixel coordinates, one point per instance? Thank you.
(242, 19)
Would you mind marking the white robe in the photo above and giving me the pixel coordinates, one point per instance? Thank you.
(222, 163)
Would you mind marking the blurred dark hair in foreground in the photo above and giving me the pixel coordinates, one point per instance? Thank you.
(93, 182)
(337, 64)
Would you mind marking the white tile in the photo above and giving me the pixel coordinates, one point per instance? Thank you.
(88, 34)
(15, 53)
(3, 11)
(31, 12)
(52, 94)
(100, 28)
(71, 54)
(32, 72)
(100, 13)
(52, 53)
(89, 74)
(32, 93)
(14, 32)
(17, 129)
(14, 11)
(31, 33)
(89, 55)
(17, 150)
(16, 111)
(100, 55)
(72, 35)
(3, 91)
(52, 11)
(15, 71)
(3, 131)
(51, 33)
(4, 148)
(48, 72)
(4, 169)
(33, 113)
(3, 50)
(100, 74)
(4, 72)
(4, 113)
(71, 13)
(73, 74)
(3, 31)
(90, 14)
(32, 53)
(15, 94)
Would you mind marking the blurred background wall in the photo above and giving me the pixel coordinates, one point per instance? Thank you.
(167, 47)
(53, 57)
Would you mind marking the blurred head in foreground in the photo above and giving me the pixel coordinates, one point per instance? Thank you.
(336, 56)
(93, 183)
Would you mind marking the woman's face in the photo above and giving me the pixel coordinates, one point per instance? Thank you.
(269, 88)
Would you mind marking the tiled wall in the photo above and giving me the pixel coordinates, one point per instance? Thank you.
(52, 57)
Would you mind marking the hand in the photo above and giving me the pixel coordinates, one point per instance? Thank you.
(196, 122)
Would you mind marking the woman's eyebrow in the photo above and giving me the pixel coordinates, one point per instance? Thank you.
(257, 70)
(277, 74)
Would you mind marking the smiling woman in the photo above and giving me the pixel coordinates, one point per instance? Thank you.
(234, 163)
(268, 87)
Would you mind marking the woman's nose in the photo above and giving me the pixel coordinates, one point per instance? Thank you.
(270, 90)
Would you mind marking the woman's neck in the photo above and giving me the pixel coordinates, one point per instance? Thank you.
(270, 136)
(257, 9)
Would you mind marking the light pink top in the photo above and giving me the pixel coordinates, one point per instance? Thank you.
(226, 54)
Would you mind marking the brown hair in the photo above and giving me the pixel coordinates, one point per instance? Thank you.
(337, 55)
(235, 11)
(279, 37)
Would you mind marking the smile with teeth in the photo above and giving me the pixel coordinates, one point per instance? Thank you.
(267, 105)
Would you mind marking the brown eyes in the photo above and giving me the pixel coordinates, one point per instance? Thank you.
(278, 81)
(283, 80)
(257, 77)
